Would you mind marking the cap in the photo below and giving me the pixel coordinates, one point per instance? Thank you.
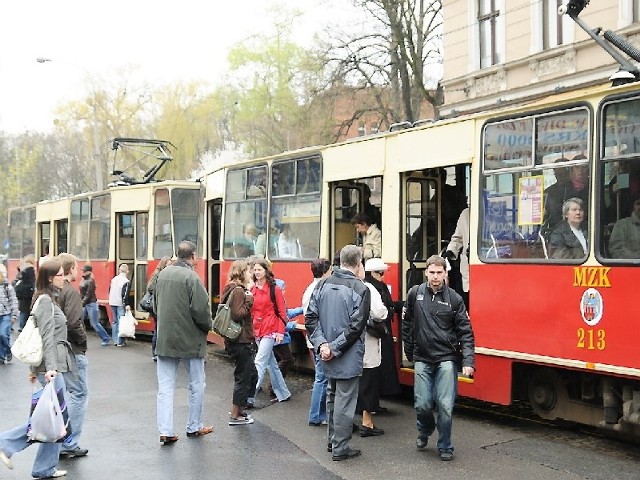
(375, 265)
(87, 268)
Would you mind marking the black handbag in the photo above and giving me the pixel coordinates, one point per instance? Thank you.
(148, 304)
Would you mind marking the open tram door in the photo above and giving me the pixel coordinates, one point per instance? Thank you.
(349, 197)
(131, 248)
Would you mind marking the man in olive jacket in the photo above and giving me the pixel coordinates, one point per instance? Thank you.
(184, 319)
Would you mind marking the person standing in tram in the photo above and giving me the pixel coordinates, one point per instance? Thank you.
(90, 303)
(625, 237)
(118, 296)
(569, 239)
(268, 326)
(435, 321)
(576, 187)
(184, 320)
(370, 234)
(458, 248)
(70, 302)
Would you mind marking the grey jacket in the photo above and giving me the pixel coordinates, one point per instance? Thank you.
(337, 314)
(56, 350)
(184, 314)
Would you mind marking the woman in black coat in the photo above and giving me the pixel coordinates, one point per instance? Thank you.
(25, 288)
(389, 383)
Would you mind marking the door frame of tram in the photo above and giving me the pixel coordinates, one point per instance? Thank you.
(131, 248)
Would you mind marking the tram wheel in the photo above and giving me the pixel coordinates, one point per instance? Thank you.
(547, 393)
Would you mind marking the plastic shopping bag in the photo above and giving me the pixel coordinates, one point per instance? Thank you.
(127, 326)
(49, 421)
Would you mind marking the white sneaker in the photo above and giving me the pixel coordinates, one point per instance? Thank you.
(6, 460)
(55, 474)
(240, 421)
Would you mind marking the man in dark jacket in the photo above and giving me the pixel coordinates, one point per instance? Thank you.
(25, 288)
(70, 303)
(434, 323)
(335, 319)
(184, 319)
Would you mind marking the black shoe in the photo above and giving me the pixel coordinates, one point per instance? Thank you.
(76, 452)
(350, 453)
(371, 432)
(329, 447)
(380, 411)
(9, 356)
(446, 455)
(421, 443)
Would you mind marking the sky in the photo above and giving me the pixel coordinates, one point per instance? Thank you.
(164, 41)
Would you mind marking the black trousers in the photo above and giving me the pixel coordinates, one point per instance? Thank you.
(245, 375)
(284, 357)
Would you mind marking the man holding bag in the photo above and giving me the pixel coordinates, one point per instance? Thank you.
(118, 296)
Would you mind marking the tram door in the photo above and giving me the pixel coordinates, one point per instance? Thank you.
(132, 248)
(213, 242)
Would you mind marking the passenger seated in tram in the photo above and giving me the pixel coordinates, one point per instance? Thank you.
(288, 244)
(569, 239)
(576, 187)
(625, 237)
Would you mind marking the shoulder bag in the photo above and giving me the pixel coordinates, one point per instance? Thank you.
(223, 323)
(28, 346)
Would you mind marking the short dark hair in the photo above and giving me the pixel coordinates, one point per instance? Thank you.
(320, 266)
(186, 249)
(360, 218)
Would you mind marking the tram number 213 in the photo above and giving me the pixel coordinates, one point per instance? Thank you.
(591, 339)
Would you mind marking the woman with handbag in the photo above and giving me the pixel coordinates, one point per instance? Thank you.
(57, 358)
(242, 349)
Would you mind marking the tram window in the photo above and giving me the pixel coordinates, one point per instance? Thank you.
(142, 237)
(15, 234)
(29, 232)
(422, 220)
(100, 227)
(125, 236)
(79, 228)
(295, 220)
(45, 239)
(62, 235)
(245, 213)
(185, 204)
(619, 188)
(162, 238)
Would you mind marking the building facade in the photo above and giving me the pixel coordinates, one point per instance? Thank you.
(499, 52)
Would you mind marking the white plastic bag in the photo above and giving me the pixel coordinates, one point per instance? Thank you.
(127, 326)
(47, 422)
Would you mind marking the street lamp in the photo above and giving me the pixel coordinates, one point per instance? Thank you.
(94, 128)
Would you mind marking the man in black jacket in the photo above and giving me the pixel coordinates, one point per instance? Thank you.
(434, 323)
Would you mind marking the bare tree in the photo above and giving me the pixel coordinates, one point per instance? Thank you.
(395, 56)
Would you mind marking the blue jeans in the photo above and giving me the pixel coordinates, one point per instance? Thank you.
(78, 389)
(265, 359)
(16, 440)
(435, 383)
(23, 317)
(5, 336)
(91, 311)
(167, 369)
(318, 404)
(117, 313)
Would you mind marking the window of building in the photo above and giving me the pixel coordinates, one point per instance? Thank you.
(490, 51)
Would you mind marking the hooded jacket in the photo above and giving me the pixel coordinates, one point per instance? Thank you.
(337, 314)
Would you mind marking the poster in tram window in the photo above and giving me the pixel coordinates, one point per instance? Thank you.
(530, 194)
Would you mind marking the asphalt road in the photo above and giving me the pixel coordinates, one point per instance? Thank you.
(120, 433)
